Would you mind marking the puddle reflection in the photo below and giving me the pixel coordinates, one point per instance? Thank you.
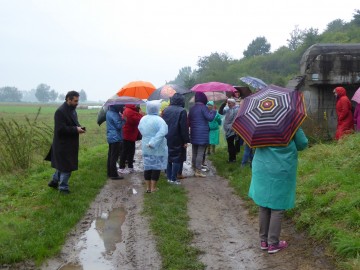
(99, 242)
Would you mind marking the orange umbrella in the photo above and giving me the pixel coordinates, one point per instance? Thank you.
(137, 89)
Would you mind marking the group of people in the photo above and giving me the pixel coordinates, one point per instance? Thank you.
(165, 138)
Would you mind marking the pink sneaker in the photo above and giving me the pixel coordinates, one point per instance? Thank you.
(275, 248)
(264, 245)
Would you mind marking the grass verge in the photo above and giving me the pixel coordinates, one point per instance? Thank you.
(167, 211)
(35, 219)
(328, 195)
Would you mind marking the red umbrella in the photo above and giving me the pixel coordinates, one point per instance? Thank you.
(270, 117)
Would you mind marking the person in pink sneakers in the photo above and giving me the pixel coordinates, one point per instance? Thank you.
(273, 186)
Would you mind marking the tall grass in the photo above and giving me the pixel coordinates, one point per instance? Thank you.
(22, 143)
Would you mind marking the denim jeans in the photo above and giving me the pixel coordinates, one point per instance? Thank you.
(248, 155)
(172, 170)
(62, 178)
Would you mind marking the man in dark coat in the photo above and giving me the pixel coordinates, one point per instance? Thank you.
(175, 117)
(64, 150)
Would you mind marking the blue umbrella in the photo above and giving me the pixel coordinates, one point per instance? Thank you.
(254, 82)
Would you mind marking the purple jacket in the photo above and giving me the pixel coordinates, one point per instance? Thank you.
(199, 118)
(357, 117)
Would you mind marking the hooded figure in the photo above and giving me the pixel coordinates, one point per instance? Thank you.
(175, 117)
(199, 118)
(345, 122)
(154, 146)
(114, 124)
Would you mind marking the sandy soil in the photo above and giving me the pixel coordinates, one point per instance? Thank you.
(224, 231)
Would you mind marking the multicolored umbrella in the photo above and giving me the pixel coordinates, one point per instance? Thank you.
(167, 91)
(254, 82)
(137, 89)
(213, 87)
(270, 117)
(356, 96)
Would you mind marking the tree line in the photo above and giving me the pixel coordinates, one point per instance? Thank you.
(42, 93)
(276, 67)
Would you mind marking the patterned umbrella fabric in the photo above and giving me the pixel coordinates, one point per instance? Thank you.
(254, 82)
(137, 89)
(213, 87)
(356, 96)
(167, 91)
(270, 117)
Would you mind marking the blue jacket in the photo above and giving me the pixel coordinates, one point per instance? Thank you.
(199, 118)
(114, 124)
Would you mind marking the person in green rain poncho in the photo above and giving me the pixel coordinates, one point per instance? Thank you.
(273, 186)
(214, 126)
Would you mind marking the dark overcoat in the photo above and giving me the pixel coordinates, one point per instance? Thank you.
(175, 117)
(64, 150)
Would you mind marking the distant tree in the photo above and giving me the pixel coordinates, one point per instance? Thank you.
(53, 95)
(43, 93)
(61, 97)
(258, 46)
(335, 25)
(356, 17)
(310, 37)
(10, 94)
(29, 96)
(185, 77)
(213, 68)
(296, 37)
(83, 97)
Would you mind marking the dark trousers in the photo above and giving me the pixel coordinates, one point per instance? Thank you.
(113, 156)
(231, 147)
(128, 154)
(238, 143)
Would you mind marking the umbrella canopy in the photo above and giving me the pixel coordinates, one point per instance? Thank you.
(214, 96)
(356, 96)
(254, 82)
(243, 90)
(115, 100)
(270, 117)
(167, 91)
(213, 87)
(137, 89)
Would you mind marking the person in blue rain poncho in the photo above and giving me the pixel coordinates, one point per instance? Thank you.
(154, 145)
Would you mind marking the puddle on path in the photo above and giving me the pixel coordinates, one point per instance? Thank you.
(97, 244)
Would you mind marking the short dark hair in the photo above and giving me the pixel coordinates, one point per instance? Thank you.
(71, 95)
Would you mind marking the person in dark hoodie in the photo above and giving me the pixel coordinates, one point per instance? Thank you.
(199, 118)
(114, 123)
(175, 117)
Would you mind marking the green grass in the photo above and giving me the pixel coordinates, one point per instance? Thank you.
(328, 195)
(36, 219)
(167, 210)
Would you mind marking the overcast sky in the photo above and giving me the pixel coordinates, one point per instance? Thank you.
(100, 45)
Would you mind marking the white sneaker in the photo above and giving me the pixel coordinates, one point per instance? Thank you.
(123, 171)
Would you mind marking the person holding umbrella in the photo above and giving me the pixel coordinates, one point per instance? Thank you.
(199, 118)
(273, 186)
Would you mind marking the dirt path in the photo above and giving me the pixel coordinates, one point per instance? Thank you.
(229, 237)
(223, 231)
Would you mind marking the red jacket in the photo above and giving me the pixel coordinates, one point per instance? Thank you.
(345, 124)
(132, 118)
